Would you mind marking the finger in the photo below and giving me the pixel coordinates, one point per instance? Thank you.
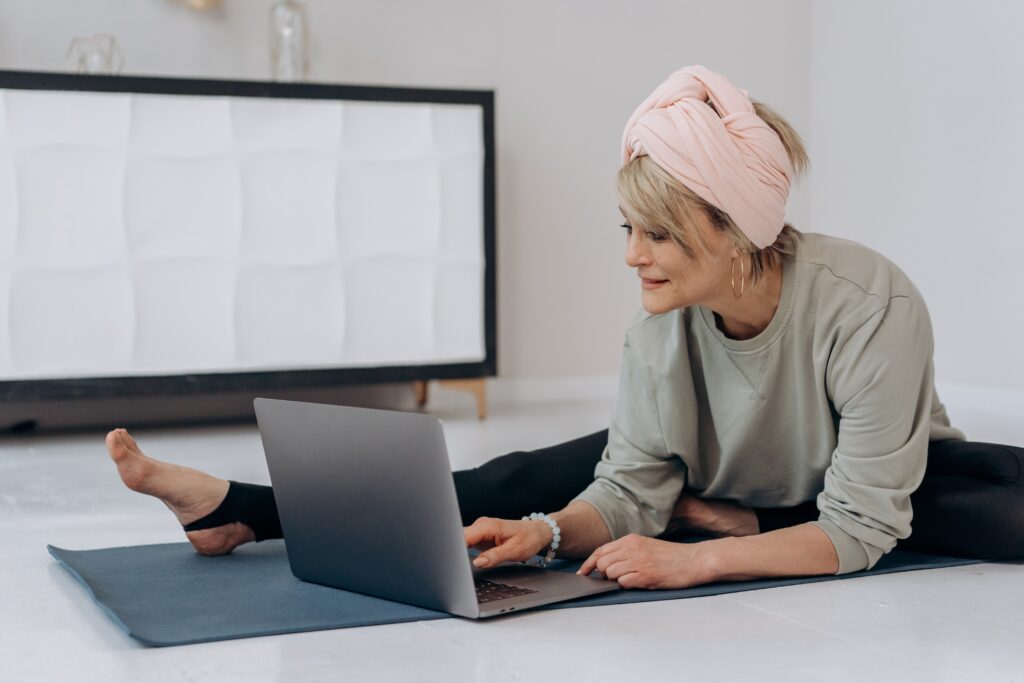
(618, 568)
(609, 558)
(632, 580)
(483, 529)
(590, 564)
(510, 551)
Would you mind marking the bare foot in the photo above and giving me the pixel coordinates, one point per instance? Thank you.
(713, 517)
(190, 494)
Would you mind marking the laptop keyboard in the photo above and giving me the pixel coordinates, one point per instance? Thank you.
(488, 591)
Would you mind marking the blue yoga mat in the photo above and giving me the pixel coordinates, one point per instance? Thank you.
(168, 595)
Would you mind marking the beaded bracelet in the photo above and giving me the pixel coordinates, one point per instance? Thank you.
(556, 539)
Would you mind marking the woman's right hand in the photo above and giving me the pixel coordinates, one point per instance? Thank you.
(507, 540)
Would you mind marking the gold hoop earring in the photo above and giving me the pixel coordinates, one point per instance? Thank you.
(743, 276)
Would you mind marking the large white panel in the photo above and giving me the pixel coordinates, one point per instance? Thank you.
(257, 234)
(390, 307)
(286, 124)
(8, 231)
(289, 207)
(8, 191)
(69, 204)
(6, 362)
(68, 323)
(287, 317)
(67, 118)
(387, 130)
(184, 316)
(3, 118)
(8, 205)
(458, 129)
(181, 125)
(388, 208)
(462, 210)
(459, 318)
(183, 206)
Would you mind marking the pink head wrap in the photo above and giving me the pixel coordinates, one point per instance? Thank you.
(735, 161)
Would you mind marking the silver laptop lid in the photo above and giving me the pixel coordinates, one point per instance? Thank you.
(367, 502)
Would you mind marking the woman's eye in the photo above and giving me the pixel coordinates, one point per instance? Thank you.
(650, 234)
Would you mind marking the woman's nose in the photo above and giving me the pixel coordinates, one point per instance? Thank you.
(636, 251)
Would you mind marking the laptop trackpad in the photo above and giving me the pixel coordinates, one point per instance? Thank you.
(546, 581)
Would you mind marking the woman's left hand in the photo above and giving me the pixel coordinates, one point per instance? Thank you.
(640, 562)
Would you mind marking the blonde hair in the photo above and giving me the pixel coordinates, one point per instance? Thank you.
(655, 198)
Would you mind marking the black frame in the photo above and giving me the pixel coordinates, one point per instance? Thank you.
(98, 387)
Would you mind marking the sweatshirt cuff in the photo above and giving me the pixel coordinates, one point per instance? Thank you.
(607, 505)
(852, 556)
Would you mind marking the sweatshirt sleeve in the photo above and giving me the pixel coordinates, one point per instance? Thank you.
(880, 379)
(638, 481)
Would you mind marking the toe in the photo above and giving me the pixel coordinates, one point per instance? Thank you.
(114, 444)
(120, 440)
(127, 440)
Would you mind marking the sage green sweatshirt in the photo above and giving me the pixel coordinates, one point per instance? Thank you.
(833, 401)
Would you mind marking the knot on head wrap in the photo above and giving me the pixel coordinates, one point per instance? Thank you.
(733, 160)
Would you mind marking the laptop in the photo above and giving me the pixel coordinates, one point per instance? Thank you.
(367, 504)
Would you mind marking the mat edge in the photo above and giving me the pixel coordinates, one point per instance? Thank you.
(149, 641)
(54, 550)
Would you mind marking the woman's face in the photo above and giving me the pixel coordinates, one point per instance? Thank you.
(670, 279)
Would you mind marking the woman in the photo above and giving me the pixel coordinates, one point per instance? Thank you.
(777, 394)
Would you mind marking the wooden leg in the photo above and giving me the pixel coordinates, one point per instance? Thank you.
(419, 390)
(476, 386)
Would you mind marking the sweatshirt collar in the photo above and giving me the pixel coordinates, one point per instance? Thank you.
(775, 327)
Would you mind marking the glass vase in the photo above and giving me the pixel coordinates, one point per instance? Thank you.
(287, 41)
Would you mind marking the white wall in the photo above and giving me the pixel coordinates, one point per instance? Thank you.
(567, 75)
(918, 151)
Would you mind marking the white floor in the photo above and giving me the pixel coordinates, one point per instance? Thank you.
(957, 624)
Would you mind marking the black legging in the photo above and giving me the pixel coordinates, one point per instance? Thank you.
(970, 504)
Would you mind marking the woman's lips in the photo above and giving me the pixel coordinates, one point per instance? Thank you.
(653, 284)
